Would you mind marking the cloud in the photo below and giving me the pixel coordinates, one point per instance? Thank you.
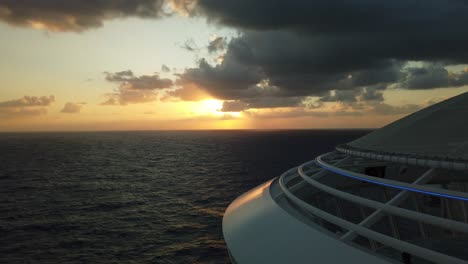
(258, 76)
(343, 53)
(234, 106)
(22, 112)
(290, 68)
(29, 101)
(217, 44)
(291, 113)
(26, 106)
(135, 89)
(348, 96)
(272, 102)
(339, 52)
(125, 96)
(360, 18)
(72, 108)
(260, 103)
(336, 109)
(372, 94)
(353, 96)
(78, 15)
(226, 81)
(349, 35)
(433, 76)
(386, 109)
(165, 68)
(188, 92)
(190, 45)
(183, 7)
(145, 82)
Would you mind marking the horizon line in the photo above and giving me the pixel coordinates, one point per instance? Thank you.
(177, 130)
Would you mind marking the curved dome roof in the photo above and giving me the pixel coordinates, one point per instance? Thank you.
(439, 132)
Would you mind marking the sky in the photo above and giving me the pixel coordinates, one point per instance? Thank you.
(209, 64)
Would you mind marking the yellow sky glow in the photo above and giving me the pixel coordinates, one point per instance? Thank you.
(41, 60)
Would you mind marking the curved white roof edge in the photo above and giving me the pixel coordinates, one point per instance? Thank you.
(258, 230)
(437, 134)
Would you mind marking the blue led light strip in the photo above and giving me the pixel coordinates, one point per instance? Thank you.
(393, 185)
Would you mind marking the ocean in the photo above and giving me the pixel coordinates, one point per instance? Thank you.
(136, 197)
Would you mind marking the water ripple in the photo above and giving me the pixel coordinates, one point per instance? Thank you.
(135, 197)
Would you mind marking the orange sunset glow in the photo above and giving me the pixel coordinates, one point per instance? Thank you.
(173, 69)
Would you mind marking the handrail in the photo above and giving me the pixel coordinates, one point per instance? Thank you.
(391, 183)
(395, 200)
(370, 234)
(395, 210)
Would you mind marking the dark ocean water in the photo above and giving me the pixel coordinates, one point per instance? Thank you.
(136, 197)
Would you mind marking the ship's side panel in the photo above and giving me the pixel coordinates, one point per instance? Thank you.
(257, 230)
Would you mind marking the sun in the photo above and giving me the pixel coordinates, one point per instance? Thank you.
(212, 105)
(207, 107)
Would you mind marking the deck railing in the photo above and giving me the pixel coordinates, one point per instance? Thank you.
(310, 174)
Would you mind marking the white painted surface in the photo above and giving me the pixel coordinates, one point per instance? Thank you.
(438, 131)
(257, 230)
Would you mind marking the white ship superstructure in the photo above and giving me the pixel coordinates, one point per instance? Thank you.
(396, 195)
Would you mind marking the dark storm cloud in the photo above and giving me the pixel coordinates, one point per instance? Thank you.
(230, 80)
(281, 51)
(338, 16)
(77, 15)
(433, 76)
(314, 63)
(357, 49)
(372, 94)
(365, 29)
(295, 65)
(348, 96)
(145, 82)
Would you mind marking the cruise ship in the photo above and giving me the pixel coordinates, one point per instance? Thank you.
(396, 195)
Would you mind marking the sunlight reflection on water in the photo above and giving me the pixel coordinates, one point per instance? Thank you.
(140, 197)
